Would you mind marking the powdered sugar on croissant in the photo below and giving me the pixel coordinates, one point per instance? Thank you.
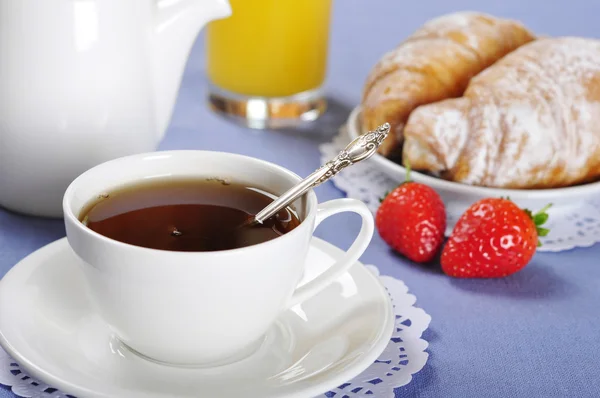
(532, 120)
(433, 64)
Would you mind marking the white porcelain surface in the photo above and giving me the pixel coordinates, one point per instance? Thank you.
(178, 307)
(458, 197)
(83, 82)
(49, 325)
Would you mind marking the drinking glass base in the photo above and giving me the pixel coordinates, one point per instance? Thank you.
(268, 112)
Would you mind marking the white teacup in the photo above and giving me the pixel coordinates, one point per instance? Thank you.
(200, 308)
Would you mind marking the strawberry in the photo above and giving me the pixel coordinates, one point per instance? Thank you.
(412, 220)
(493, 238)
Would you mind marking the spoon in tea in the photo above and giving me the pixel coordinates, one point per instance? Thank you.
(361, 148)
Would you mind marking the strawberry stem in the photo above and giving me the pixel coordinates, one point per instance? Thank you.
(408, 170)
(545, 208)
(540, 219)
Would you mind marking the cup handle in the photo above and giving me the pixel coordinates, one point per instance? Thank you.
(358, 247)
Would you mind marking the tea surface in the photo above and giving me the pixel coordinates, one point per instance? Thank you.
(185, 215)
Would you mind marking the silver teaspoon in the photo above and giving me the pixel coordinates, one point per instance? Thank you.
(362, 147)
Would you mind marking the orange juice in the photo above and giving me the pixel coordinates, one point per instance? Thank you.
(270, 48)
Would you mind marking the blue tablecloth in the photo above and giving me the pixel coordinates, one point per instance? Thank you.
(534, 334)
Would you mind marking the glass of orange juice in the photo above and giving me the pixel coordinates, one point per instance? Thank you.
(267, 62)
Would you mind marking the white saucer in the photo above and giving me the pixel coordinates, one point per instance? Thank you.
(48, 325)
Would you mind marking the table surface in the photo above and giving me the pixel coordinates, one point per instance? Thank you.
(533, 334)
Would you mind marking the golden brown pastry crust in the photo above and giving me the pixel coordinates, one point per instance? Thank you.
(434, 63)
(532, 120)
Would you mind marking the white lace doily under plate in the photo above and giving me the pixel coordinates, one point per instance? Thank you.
(404, 355)
(570, 227)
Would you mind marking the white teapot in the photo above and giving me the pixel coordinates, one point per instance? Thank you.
(85, 81)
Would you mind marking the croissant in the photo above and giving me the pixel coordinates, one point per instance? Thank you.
(433, 64)
(532, 120)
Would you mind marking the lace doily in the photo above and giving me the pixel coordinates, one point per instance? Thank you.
(404, 356)
(577, 226)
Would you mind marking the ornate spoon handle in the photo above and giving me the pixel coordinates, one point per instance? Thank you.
(362, 147)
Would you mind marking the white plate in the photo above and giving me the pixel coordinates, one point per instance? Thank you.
(458, 197)
(48, 325)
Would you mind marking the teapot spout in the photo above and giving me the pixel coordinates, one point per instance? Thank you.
(176, 28)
